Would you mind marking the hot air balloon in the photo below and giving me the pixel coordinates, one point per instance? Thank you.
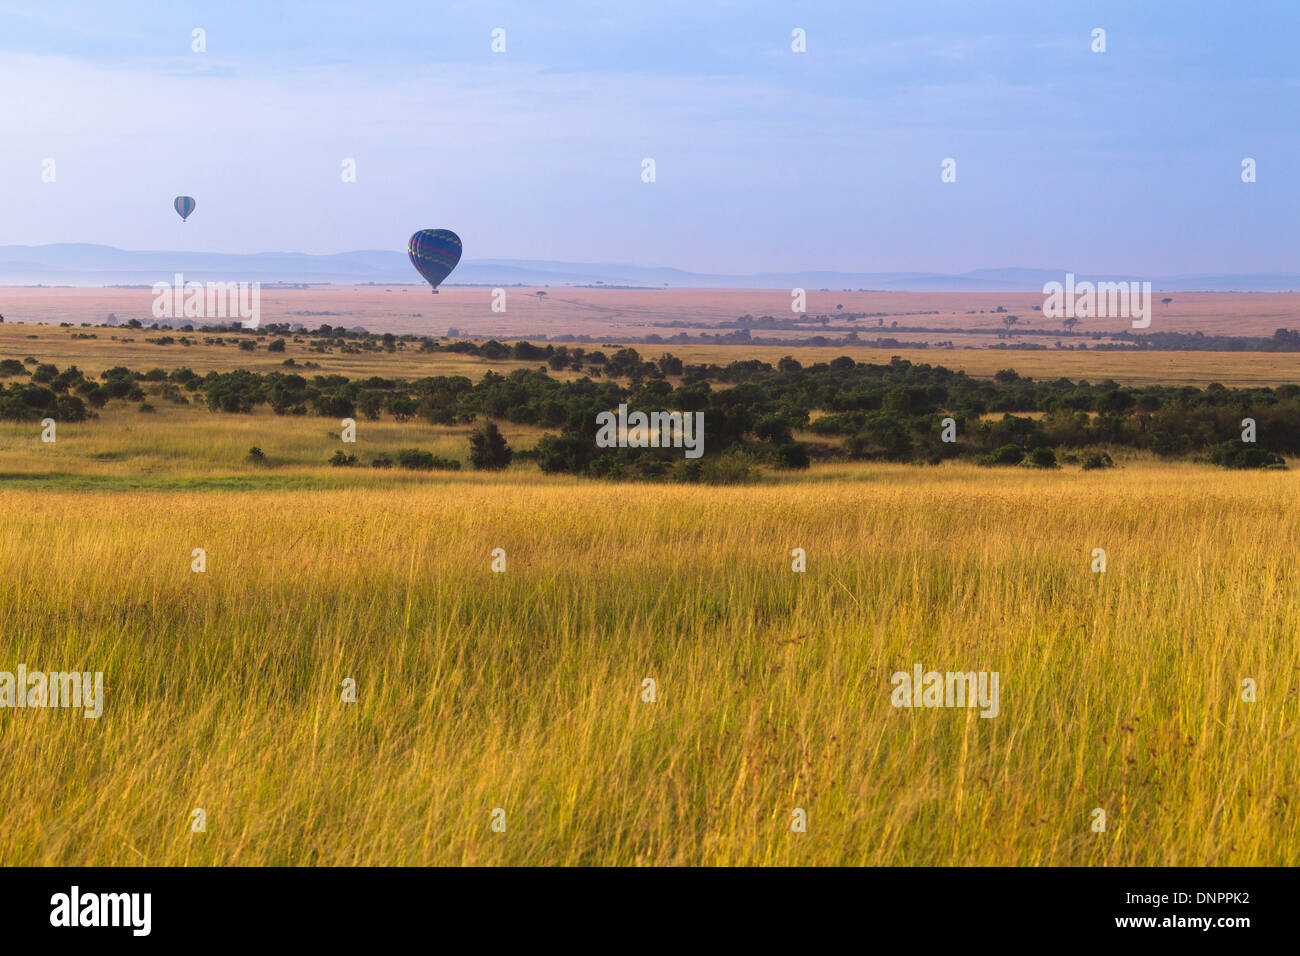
(184, 205)
(434, 253)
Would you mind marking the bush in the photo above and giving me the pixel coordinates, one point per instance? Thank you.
(733, 468)
(69, 408)
(1042, 458)
(416, 460)
(686, 470)
(342, 459)
(1006, 455)
(256, 456)
(488, 449)
(1239, 454)
(566, 453)
(381, 461)
(792, 455)
(1100, 460)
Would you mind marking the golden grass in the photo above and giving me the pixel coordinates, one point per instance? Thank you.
(522, 690)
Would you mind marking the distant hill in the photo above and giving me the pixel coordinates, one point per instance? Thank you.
(95, 265)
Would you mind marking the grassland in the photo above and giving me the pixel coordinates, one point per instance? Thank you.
(523, 690)
(643, 312)
(129, 347)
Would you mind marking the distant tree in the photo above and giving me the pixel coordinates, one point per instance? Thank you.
(773, 428)
(1166, 300)
(488, 450)
(371, 404)
(670, 364)
(403, 408)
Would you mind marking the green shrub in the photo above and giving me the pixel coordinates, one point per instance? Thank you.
(1042, 458)
(416, 460)
(1006, 455)
(792, 455)
(732, 468)
(1239, 454)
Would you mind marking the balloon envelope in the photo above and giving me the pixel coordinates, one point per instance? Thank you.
(434, 253)
(184, 205)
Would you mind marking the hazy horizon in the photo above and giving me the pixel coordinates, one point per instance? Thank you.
(85, 264)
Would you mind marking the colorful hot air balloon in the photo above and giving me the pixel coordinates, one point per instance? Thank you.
(184, 205)
(434, 253)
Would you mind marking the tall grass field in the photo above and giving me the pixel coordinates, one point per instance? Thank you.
(648, 681)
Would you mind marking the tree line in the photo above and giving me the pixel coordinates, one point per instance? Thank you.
(895, 411)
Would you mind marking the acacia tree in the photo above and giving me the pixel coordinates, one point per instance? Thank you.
(488, 450)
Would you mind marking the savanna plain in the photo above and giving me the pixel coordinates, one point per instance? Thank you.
(520, 697)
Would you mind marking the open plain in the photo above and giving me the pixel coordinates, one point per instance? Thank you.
(520, 696)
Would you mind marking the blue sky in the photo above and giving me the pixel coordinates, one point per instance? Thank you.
(1124, 161)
